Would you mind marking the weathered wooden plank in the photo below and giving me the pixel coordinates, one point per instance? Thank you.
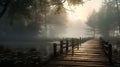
(78, 63)
(89, 54)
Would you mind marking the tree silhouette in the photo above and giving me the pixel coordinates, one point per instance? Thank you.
(106, 20)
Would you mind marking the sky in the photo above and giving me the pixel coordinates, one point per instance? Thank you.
(77, 17)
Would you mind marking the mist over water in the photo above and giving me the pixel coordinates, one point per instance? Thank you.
(31, 29)
(75, 29)
(53, 25)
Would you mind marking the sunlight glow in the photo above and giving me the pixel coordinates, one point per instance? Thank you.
(78, 15)
(82, 12)
(73, 17)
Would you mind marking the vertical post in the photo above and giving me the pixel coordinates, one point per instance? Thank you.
(102, 43)
(78, 44)
(110, 53)
(72, 47)
(118, 51)
(80, 41)
(67, 46)
(55, 49)
(61, 47)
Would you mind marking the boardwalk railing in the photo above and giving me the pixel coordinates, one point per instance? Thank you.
(65, 46)
(107, 48)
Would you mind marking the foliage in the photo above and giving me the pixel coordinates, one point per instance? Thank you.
(106, 20)
(23, 6)
(75, 2)
(29, 16)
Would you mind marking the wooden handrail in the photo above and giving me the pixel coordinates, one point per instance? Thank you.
(107, 48)
(55, 49)
(65, 45)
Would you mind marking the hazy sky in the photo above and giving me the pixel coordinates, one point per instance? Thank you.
(77, 16)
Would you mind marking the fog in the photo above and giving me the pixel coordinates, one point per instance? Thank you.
(34, 25)
(71, 22)
(78, 16)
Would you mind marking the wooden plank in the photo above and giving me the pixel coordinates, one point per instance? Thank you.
(78, 63)
(89, 54)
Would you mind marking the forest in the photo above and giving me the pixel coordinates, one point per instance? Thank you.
(106, 21)
(44, 18)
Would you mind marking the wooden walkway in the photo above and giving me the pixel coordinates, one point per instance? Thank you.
(89, 54)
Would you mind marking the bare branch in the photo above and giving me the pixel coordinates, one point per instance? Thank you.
(64, 1)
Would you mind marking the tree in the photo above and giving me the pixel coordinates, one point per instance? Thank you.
(92, 23)
(27, 3)
(29, 16)
(4, 4)
(106, 19)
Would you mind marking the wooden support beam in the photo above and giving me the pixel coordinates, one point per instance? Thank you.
(72, 48)
(55, 49)
(61, 47)
(110, 53)
(67, 46)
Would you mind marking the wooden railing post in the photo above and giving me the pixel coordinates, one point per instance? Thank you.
(72, 47)
(55, 49)
(80, 41)
(61, 47)
(110, 53)
(67, 45)
(77, 44)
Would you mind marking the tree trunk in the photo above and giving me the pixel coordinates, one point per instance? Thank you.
(4, 8)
